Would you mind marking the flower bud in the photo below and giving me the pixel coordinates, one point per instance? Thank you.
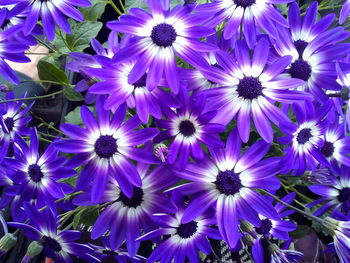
(34, 249)
(161, 151)
(249, 240)
(7, 242)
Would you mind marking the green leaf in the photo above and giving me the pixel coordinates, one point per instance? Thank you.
(79, 40)
(283, 8)
(72, 95)
(135, 4)
(86, 216)
(48, 71)
(74, 117)
(95, 11)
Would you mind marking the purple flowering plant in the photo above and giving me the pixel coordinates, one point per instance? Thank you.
(174, 130)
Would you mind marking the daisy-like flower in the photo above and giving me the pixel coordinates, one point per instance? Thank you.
(345, 11)
(115, 84)
(335, 195)
(159, 37)
(335, 146)
(105, 146)
(314, 50)
(13, 120)
(51, 12)
(340, 231)
(82, 62)
(244, 15)
(249, 88)
(189, 126)
(11, 49)
(57, 245)
(126, 217)
(305, 139)
(35, 175)
(226, 181)
(185, 239)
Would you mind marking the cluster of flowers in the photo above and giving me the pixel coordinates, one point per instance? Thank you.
(149, 156)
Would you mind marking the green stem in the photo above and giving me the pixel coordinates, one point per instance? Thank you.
(310, 216)
(64, 40)
(45, 123)
(45, 140)
(44, 44)
(110, 2)
(122, 5)
(302, 196)
(34, 98)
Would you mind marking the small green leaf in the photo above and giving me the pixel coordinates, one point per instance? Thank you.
(95, 11)
(135, 4)
(72, 95)
(74, 117)
(48, 71)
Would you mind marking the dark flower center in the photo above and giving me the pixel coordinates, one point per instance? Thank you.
(265, 227)
(344, 195)
(244, 3)
(228, 182)
(135, 200)
(327, 149)
(10, 123)
(106, 146)
(52, 244)
(249, 88)
(141, 82)
(300, 69)
(187, 230)
(163, 35)
(187, 128)
(304, 135)
(35, 172)
(300, 45)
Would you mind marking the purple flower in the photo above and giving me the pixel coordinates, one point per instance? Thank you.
(105, 146)
(160, 36)
(115, 84)
(51, 13)
(314, 50)
(305, 139)
(11, 49)
(13, 121)
(345, 11)
(82, 62)
(189, 126)
(58, 245)
(226, 181)
(126, 217)
(36, 177)
(246, 15)
(185, 239)
(335, 196)
(249, 88)
(284, 256)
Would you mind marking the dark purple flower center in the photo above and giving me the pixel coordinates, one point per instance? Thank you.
(249, 88)
(244, 3)
(300, 69)
(327, 149)
(187, 128)
(265, 227)
(300, 45)
(344, 195)
(106, 146)
(228, 182)
(51, 244)
(304, 135)
(10, 123)
(141, 82)
(35, 172)
(187, 230)
(163, 35)
(134, 201)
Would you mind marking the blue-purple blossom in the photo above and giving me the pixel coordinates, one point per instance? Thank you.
(50, 12)
(186, 239)
(105, 148)
(345, 11)
(159, 37)
(248, 89)
(57, 245)
(226, 181)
